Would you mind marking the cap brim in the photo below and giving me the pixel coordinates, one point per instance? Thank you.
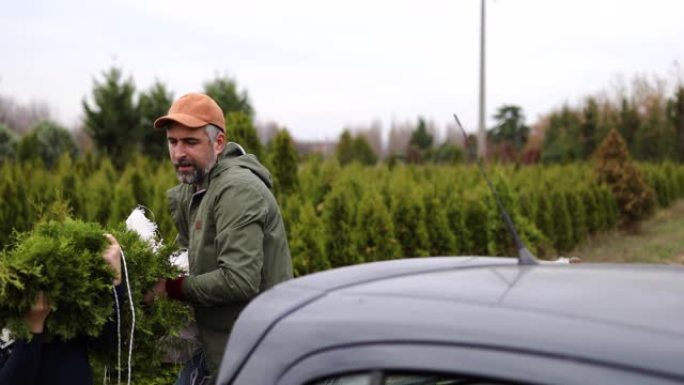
(186, 120)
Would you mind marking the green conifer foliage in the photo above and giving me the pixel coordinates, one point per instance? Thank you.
(317, 178)
(283, 158)
(240, 129)
(70, 185)
(562, 236)
(593, 212)
(613, 167)
(124, 198)
(338, 219)
(345, 148)
(64, 260)
(15, 213)
(544, 217)
(441, 239)
(224, 91)
(63, 257)
(408, 212)
(98, 200)
(477, 221)
(152, 104)
(112, 119)
(8, 143)
(578, 216)
(307, 242)
(374, 233)
(47, 141)
(454, 208)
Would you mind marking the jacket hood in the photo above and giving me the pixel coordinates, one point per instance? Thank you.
(234, 155)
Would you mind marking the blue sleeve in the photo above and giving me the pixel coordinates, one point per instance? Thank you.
(22, 365)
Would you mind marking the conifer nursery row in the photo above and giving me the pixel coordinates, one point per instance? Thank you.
(338, 216)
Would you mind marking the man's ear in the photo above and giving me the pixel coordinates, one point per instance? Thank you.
(220, 143)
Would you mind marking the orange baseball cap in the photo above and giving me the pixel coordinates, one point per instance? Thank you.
(194, 110)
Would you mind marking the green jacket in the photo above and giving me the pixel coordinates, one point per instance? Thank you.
(236, 244)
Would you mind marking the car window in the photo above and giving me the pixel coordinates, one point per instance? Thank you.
(435, 380)
(407, 379)
(351, 379)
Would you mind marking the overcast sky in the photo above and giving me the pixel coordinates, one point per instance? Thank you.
(319, 66)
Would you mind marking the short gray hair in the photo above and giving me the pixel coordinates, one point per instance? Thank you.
(212, 132)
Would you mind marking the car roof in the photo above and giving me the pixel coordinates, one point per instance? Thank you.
(619, 315)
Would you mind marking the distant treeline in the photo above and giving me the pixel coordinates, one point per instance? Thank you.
(117, 122)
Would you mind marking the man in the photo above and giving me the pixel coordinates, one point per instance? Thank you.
(229, 221)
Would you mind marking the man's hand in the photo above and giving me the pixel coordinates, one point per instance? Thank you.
(35, 317)
(113, 257)
(159, 290)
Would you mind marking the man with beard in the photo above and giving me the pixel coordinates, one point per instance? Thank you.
(228, 220)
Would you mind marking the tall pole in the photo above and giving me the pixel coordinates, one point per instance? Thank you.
(482, 133)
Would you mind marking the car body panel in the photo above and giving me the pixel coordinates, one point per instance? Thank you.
(606, 316)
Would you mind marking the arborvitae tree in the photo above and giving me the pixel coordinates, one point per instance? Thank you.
(420, 144)
(455, 212)
(162, 180)
(15, 213)
(46, 141)
(613, 167)
(677, 188)
(152, 104)
(593, 212)
(98, 203)
(338, 220)
(408, 213)
(629, 123)
(8, 143)
(283, 160)
(578, 215)
(374, 230)
(345, 148)
(240, 129)
(224, 91)
(447, 153)
(477, 221)
(656, 180)
(112, 120)
(363, 152)
(561, 139)
(441, 239)
(131, 191)
(589, 128)
(70, 186)
(544, 217)
(676, 115)
(562, 237)
(510, 127)
(307, 242)
(420, 137)
(655, 139)
(86, 165)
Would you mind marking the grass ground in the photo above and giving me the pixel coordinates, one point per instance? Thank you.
(661, 240)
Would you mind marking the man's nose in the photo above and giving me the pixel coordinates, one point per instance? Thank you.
(178, 151)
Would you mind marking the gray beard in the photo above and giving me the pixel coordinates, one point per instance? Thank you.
(196, 176)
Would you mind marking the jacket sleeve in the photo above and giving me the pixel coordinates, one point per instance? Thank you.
(239, 213)
(22, 365)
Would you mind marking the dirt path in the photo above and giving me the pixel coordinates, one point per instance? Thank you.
(661, 240)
